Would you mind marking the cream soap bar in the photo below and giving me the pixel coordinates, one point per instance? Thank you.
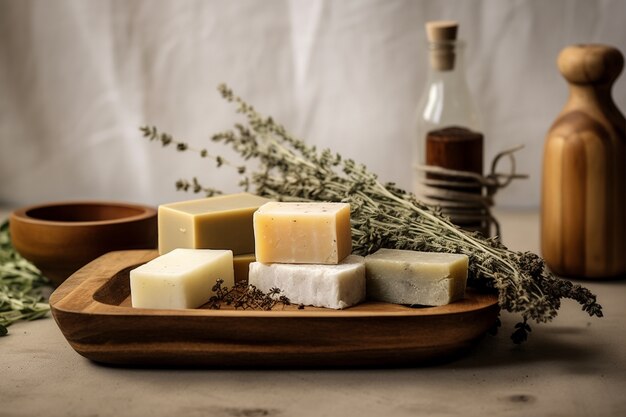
(182, 278)
(307, 233)
(410, 277)
(222, 222)
(331, 286)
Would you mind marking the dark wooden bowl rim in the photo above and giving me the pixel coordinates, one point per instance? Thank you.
(82, 213)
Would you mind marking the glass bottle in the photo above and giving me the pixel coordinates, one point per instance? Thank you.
(448, 131)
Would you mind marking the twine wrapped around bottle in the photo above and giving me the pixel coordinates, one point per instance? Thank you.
(467, 197)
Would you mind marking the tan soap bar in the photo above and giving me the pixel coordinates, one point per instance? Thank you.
(241, 265)
(306, 233)
(410, 277)
(222, 222)
(182, 278)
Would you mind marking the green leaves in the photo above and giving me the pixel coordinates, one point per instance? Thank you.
(20, 286)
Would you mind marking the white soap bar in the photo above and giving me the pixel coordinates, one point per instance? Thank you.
(182, 278)
(410, 277)
(302, 233)
(331, 286)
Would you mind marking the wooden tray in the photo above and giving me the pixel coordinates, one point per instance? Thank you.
(92, 309)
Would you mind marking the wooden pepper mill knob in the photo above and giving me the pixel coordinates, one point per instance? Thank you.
(583, 231)
(590, 64)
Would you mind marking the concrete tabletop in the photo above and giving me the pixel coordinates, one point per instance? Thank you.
(574, 366)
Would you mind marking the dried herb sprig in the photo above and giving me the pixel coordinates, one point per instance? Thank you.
(383, 215)
(244, 296)
(20, 285)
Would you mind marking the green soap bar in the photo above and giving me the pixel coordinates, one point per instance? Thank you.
(241, 264)
(411, 277)
(221, 222)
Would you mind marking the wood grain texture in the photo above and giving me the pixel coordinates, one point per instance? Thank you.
(597, 184)
(573, 194)
(61, 237)
(551, 198)
(93, 311)
(584, 179)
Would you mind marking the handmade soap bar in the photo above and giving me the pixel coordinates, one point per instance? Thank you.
(311, 233)
(222, 222)
(182, 278)
(241, 264)
(331, 286)
(410, 277)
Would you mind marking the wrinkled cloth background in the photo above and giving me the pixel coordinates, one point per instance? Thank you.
(77, 79)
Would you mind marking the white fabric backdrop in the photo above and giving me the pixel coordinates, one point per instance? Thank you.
(77, 79)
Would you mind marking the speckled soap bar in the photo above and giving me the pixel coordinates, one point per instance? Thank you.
(410, 277)
(304, 233)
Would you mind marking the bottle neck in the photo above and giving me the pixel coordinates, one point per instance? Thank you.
(446, 100)
(446, 62)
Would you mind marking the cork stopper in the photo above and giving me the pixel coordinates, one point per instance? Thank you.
(442, 37)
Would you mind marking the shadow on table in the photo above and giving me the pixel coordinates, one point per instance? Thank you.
(569, 346)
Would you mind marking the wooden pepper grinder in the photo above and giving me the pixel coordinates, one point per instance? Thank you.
(583, 231)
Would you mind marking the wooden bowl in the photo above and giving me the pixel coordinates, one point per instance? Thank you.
(59, 238)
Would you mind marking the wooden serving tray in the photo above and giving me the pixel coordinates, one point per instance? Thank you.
(92, 308)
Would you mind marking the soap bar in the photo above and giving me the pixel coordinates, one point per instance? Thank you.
(182, 278)
(222, 222)
(410, 277)
(331, 286)
(241, 264)
(308, 233)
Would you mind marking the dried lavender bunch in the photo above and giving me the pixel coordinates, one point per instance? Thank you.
(383, 215)
(244, 296)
